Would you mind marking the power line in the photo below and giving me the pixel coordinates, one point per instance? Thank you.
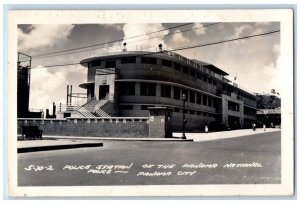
(53, 55)
(56, 52)
(185, 48)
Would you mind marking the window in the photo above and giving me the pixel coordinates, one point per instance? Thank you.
(199, 76)
(205, 100)
(126, 107)
(199, 113)
(148, 60)
(185, 70)
(214, 82)
(192, 112)
(110, 64)
(166, 91)
(127, 89)
(204, 78)
(127, 60)
(166, 63)
(209, 80)
(145, 107)
(192, 96)
(177, 93)
(233, 106)
(192, 73)
(209, 101)
(177, 66)
(96, 63)
(148, 89)
(176, 110)
(198, 98)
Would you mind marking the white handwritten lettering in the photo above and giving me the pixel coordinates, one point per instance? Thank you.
(74, 167)
(186, 173)
(199, 166)
(243, 165)
(156, 173)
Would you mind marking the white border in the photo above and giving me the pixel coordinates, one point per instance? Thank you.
(139, 16)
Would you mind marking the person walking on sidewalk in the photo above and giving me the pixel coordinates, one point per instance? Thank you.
(253, 126)
(206, 129)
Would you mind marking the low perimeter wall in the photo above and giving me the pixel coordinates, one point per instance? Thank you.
(90, 127)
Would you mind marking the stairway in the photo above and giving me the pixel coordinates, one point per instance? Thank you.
(83, 111)
(101, 113)
(93, 109)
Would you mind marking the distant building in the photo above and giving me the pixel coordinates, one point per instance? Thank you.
(269, 117)
(127, 84)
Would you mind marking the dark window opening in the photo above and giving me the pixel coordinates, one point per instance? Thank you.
(192, 112)
(148, 89)
(177, 93)
(209, 80)
(198, 98)
(192, 96)
(192, 73)
(214, 82)
(199, 76)
(177, 66)
(145, 107)
(127, 89)
(127, 60)
(209, 101)
(205, 100)
(166, 91)
(96, 63)
(199, 113)
(148, 60)
(233, 106)
(126, 107)
(176, 110)
(166, 63)
(185, 70)
(204, 78)
(110, 64)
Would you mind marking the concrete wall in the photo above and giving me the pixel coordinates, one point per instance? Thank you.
(113, 127)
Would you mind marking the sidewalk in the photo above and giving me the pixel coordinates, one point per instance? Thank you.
(199, 137)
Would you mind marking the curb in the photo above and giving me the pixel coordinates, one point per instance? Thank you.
(57, 147)
(174, 139)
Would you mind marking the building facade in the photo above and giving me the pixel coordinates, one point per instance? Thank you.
(127, 84)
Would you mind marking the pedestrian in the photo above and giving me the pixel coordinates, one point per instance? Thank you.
(253, 126)
(264, 126)
(206, 129)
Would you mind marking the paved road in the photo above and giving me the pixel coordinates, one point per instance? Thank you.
(245, 160)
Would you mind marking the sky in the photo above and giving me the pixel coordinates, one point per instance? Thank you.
(255, 62)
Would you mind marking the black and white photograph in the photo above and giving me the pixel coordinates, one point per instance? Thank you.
(151, 103)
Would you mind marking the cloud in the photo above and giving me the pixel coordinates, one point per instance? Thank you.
(43, 36)
(44, 86)
(199, 29)
(144, 43)
(179, 37)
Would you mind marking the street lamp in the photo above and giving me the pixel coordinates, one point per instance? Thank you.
(183, 98)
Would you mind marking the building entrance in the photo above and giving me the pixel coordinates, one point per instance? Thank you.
(103, 91)
(233, 122)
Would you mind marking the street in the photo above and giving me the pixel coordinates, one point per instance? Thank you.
(254, 159)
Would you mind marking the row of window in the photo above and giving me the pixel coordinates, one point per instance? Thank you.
(233, 106)
(149, 89)
(249, 111)
(176, 110)
(152, 60)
